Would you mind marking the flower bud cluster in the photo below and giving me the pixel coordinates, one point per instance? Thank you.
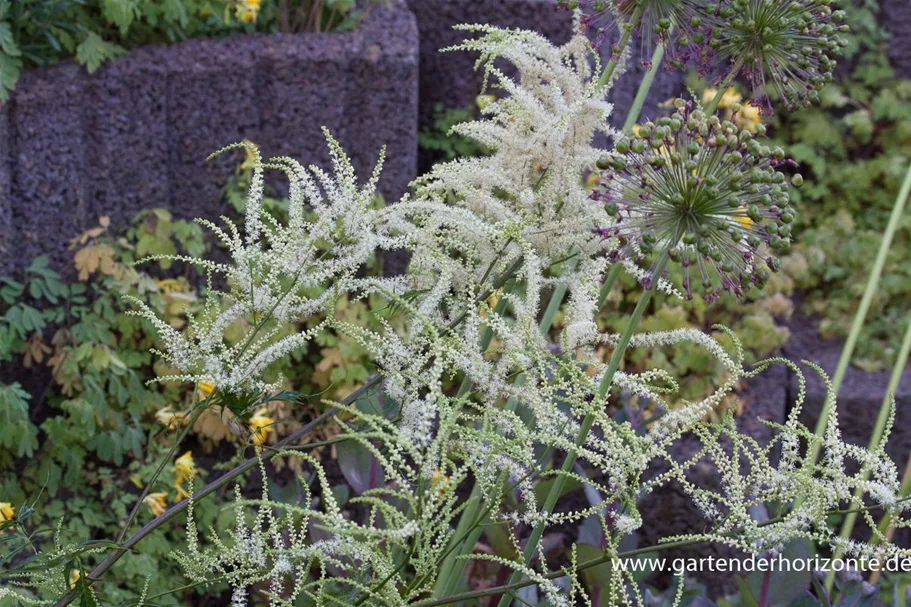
(785, 48)
(698, 191)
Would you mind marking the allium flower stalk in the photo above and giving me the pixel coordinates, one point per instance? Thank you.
(785, 46)
(701, 192)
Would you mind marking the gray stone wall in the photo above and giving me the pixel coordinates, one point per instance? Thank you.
(896, 18)
(136, 133)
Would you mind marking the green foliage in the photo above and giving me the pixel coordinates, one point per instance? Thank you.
(98, 424)
(442, 142)
(18, 436)
(854, 150)
(81, 430)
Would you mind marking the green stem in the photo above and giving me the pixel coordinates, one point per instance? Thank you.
(468, 531)
(145, 490)
(860, 316)
(556, 490)
(251, 463)
(628, 29)
(486, 338)
(474, 530)
(885, 525)
(612, 275)
(725, 84)
(716, 100)
(644, 87)
(875, 441)
(478, 594)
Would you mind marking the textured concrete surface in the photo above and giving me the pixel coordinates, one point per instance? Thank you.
(136, 133)
(450, 79)
(895, 16)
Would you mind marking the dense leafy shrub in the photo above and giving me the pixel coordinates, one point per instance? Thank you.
(855, 148)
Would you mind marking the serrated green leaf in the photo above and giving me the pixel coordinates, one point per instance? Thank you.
(93, 51)
(7, 42)
(17, 433)
(10, 68)
(121, 13)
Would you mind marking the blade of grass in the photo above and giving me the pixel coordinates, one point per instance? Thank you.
(863, 309)
(901, 363)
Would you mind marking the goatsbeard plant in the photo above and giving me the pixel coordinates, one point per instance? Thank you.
(489, 239)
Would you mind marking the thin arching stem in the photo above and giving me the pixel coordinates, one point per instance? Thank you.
(901, 362)
(588, 422)
(453, 569)
(862, 310)
(197, 411)
(723, 87)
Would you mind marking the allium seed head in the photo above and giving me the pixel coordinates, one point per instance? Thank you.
(701, 192)
(786, 46)
(662, 21)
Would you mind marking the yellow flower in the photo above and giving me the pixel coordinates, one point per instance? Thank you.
(184, 470)
(7, 512)
(169, 285)
(729, 99)
(157, 502)
(250, 161)
(484, 100)
(748, 117)
(74, 577)
(743, 220)
(491, 302)
(708, 95)
(439, 481)
(248, 9)
(261, 424)
(171, 418)
(205, 389)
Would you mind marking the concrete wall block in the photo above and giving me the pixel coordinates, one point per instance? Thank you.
(125, 131)
(136, 134)
(49, 163)
(895, 16)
